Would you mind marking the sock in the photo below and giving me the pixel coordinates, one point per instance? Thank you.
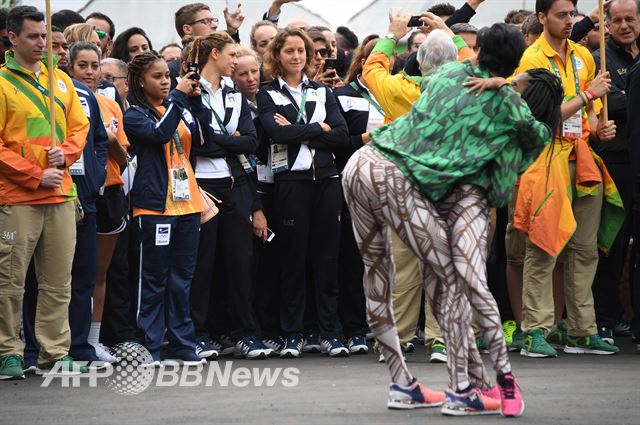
(94, 333)
(466, 386)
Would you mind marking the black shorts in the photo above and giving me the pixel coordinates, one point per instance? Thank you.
(112, 211)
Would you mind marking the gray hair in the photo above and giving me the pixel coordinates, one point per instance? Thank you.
(607, 12)
(122, 67)
(437, 50)
(462, 27)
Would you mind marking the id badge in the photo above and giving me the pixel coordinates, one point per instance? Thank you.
(77, 168)
(279, 158)
(180, 184)
(572, 127)
(245, 163)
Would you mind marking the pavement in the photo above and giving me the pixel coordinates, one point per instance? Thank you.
(570, 389)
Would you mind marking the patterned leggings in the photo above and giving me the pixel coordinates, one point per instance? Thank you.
(449, 238)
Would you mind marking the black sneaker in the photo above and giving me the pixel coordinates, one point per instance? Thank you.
(292, 347)
(311, 343)
(223, 345)
(606, 334)
(622, 328)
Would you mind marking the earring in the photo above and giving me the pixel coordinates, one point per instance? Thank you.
(141, 85)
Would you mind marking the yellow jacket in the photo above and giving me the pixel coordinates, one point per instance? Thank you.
(397, 93)
(25, 133)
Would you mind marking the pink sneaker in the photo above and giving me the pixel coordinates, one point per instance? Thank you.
(512, 403)
(493, 392)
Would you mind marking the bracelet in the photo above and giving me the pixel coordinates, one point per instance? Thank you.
(591, 93)
(584, 99)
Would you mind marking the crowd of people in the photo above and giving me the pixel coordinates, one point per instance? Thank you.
(227, 197)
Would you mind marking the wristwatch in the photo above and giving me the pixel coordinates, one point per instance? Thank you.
(391, 36)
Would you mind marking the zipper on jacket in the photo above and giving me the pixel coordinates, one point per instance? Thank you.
(233, 180)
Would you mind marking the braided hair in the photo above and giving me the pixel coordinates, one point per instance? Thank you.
(203, 46)
(137, 67)
(544, 97)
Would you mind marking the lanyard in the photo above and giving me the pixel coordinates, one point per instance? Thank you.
(223, 129)
(575, 71)
(364, 94)
(178, 144)
(303, 104)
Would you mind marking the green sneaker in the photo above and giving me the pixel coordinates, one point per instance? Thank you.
(11, 367)
(517, 341)
(589, 345)
(508, 328)
(557, 338)
(536, 346)
(438, 352)
(63, 366)
(482, 345)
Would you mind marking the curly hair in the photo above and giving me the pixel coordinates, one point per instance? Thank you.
(272, 65)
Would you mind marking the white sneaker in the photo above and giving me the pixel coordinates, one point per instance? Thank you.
(103, 353)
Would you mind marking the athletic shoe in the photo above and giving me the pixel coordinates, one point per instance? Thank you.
(493, 392)
(472, 402)
(204, 348)
(511, 399)
(589, 345)
(415, 396)
(517, 340)
(482, 345)
(30, 369)
(103, 354)
(333, 347)
(276, 344)
(408, 347)
(508, 329)
(358, 345)
(606, 334)
(622, 328)
(419, 336)
(311, 343)
(438, 352)
(636, 340)
(252, 348)
(557, 338)
(64, 366)
(536, 346)
(223, 345)
(11, 367)
(292, 347)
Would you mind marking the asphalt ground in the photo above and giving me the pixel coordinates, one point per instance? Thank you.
(570, 389)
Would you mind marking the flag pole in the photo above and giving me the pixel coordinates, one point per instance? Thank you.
(50, 72)
(603, 59)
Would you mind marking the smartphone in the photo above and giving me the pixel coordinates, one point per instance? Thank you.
(232, 7)
(193, 67)
(270, 235)
(415, 22)
(329, 63)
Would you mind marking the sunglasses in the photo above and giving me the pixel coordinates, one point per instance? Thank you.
(101, 34)
(323, 52)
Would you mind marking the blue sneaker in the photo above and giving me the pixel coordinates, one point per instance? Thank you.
(276, 344)
(292, 347)
(358, 345)
(473, 402)
(223, 345)
(184, 358)
(251, 348)
(204, 349)
(333, 347)
(311, 343)
(415, 396)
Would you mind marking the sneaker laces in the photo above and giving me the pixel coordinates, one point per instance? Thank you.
(507, 386)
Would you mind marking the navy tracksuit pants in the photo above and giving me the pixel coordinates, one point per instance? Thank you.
(83, 280)
(167, 264)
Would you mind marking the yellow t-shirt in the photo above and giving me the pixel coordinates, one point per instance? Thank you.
(174, 208)
(539, 55)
